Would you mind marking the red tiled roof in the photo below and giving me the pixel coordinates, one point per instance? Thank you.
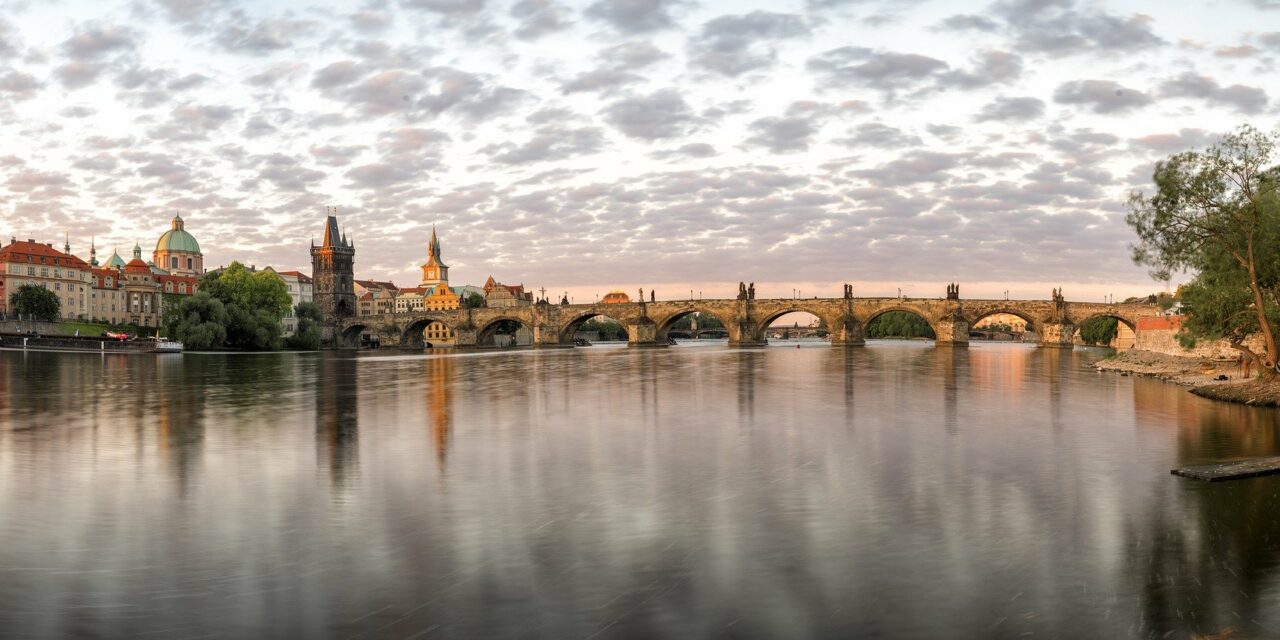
(36, 253)
(136, 265)
(375, 284)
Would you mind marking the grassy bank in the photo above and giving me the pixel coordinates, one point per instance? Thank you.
(1250, 392)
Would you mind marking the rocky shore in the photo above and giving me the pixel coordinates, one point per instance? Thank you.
(1214, 379)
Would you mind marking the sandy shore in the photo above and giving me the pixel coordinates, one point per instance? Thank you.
(1206, 377)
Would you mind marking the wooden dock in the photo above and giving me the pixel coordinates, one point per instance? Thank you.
(1231, 470)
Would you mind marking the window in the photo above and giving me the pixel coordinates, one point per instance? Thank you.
(173, 262)
(190, 263)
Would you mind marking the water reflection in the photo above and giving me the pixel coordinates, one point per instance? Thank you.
(338, 419)
(895, 490)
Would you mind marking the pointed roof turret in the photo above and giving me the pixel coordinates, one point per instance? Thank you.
(332, 237)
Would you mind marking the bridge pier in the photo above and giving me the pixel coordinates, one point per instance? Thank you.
(1057, 335)
(951, 333)
(643, 333)
(846, 332)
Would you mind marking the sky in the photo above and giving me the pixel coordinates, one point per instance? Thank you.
(615, 144)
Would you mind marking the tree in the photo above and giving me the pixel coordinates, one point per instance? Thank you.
(258, 290)
(472, 300)
(1099, 331)
(1215, 213)
(37, 303)
(198, 321)
(307, 336)
(899, 324)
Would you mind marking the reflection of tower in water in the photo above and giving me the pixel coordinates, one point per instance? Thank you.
(337, 417)
(439, 378)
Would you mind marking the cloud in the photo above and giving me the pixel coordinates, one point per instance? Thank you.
(264, 36)
(9, 46)
(338, 74)
(1057, 27)
(453, 8)
(600, 80)
(16, 85)
(539, 18)
(732, 45)
(1169, 143)
(887, 71)
(632, 55)
(1015, 109)
(1249, 100)
(1101, 96)
(549, 143)
(192, 122)
(962, 22)
(912, 167)
(782, 134)
(98, 41)
(876, 134)
(989, 67)
(633, 16)
(75, 75)
(659, 115)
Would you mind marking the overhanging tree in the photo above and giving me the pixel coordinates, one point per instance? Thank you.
(1215, 213)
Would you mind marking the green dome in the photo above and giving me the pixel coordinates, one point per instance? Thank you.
(115, 261)
(177, 239)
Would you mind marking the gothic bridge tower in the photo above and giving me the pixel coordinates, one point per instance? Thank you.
(333, 272)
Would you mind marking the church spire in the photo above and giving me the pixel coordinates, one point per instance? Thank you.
(66, 243)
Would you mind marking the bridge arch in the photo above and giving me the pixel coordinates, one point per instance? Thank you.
(664, 323)
(871, 317)
(570, 328)
(1129, 323)
(762, 328)
(1033, 325)
(487, 334)
(349, 336)
(412, 337)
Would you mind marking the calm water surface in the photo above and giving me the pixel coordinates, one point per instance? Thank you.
(895, 490)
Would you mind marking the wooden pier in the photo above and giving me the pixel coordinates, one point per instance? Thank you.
(1231, 470)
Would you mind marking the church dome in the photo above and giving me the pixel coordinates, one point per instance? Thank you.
(115, 261)
(177, 240)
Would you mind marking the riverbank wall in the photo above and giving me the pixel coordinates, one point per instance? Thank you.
(1160, 335)
(27, 327)
(72, 343)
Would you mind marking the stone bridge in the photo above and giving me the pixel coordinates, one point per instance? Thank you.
(647, 323)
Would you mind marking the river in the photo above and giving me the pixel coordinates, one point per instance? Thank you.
(893, 490)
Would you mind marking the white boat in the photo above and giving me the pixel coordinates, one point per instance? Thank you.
(165, 345)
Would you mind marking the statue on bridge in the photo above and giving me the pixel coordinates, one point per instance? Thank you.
(953, 291)
(1057, 296)
(742, 291)
(848, 292)
(564, 301)
(641, 298)
(652, 297)
(751, 291)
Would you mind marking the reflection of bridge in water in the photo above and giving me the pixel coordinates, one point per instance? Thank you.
(745, 322)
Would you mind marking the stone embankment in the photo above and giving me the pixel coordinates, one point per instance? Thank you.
(1209, 378)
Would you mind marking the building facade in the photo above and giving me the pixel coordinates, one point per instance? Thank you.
(42, 265)
(497, 294)
(375, 298)
(332, 273)
(300, 288)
